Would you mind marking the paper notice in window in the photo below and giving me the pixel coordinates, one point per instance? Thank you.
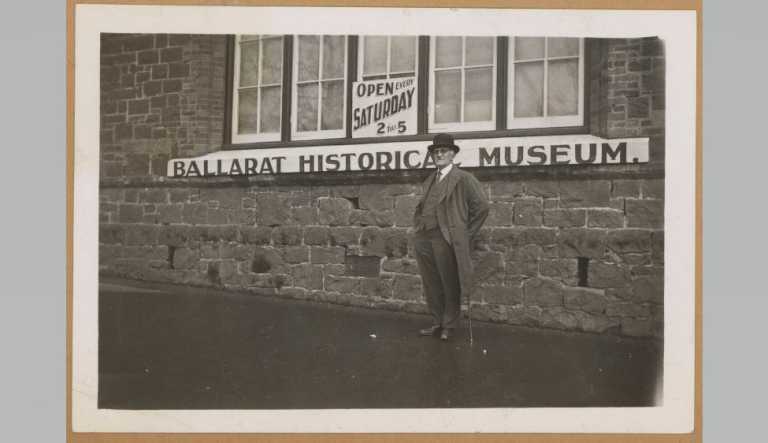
(384, 108)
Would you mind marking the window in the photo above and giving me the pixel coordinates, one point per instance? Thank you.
(383, 57)
(319, 86)
(258, 78)
(546, 82)
(462, 86)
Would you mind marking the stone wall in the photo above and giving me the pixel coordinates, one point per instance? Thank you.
(575, 251)
(350, 245)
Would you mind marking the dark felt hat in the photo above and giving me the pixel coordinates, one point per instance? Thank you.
(443, 141)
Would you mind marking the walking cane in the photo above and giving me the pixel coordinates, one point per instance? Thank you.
(470, 320)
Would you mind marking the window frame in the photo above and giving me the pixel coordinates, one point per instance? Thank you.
(462, 126)
(389, 74)
(319, 133)
(258, 136)
(544, 122)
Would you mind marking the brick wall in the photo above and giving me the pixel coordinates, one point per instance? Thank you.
(627, 90)
(162, 96)
(581, 252)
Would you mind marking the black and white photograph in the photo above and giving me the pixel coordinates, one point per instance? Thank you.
(361, 214)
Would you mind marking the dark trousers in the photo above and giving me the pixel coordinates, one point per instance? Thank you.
(440, 277)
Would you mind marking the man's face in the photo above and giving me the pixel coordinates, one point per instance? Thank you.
(443, 156)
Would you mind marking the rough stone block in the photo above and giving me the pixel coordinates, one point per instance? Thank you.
(237, 251)
(362, 266)
(334, 211)
(605, 218)
(375, 197)
(258, 235)
(304, 215)
(185, 258)
(649, 288)
(195, 213)
(578, 242)
(546, 189)
(174, 235)
(110, 234)
(627, 309)
(127, 213)
(267, 259)
(287, 235)
(503, 238)
(391, 242)
(273, 209)
(657, 247)
(316, 235)
(407, 287)
(557, 318)
(505, 191)
(584, 194)
(585, 299)
(227, 198)
(645, 213)
(349, 285)
(563, 269)
(376, 287)
(296, 254)
(497, 294)
(542, 292)
(327, 255)
(565, 218)
(345, 236)
(307, 276)
(528, 212)
(400, 265)
(405, 206)
(653, 188)
(141, 235)
(628, 240)
(488, 267)
(179, 195)
(501, 214)
(607, 275)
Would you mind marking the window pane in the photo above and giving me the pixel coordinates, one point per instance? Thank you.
(248, 37)
(309, 57)
(375, 55)
(478, 95)
(529, 47)
(270, 109)
(529, 89)
(272, 63)
(306, 112)
(447, 52)
(247, 111)
(332, 113)
(333, 56)
(479, 51)
(249, 64)
(447, 96)
(403, 56)
(563, 87)
(562, 47)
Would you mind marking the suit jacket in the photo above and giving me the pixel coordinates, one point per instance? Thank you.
(461, 212)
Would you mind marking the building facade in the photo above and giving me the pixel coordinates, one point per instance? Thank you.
(290, 166)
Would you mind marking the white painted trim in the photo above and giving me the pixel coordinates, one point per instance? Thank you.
(544, 121)
(258, 136)
(460, 126)
(318, 134)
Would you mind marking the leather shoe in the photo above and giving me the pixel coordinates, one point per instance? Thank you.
(446, 334)
(432, 330)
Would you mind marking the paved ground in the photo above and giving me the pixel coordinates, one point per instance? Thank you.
(173, 347)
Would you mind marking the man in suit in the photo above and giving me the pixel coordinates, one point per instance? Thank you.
(446, 219)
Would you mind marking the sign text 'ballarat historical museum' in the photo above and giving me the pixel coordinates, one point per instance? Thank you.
(484, 153)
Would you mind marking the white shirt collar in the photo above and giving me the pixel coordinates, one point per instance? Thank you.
(441, 173)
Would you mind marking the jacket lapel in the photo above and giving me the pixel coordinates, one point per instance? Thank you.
(427, 185)
(451, 180)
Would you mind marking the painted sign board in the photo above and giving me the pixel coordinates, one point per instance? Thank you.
(382, 108)
(483, 152)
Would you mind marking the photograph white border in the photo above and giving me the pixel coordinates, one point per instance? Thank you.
(676, 28)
